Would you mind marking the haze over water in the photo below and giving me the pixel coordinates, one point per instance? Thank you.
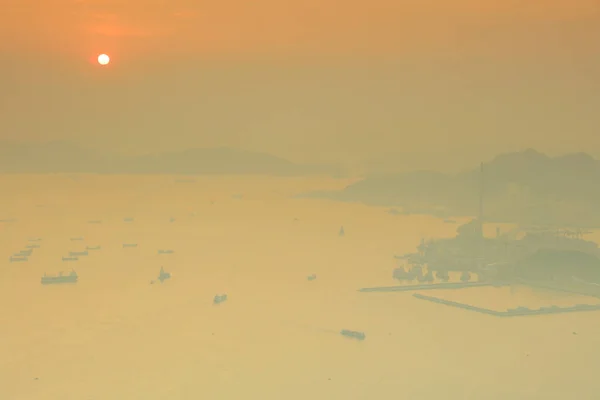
(115, 336)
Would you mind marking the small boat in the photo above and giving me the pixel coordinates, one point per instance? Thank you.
(163, 276)
(220, 298)
(78, 253)
(32, 246)
(126, 245)
(166, 252)
(70, 259)
(92, 247)
(312, 277)
(353, 334)
(18, 259)
(78, 238)
(35, 239)
(24, 253)
(127, 219)
(60, 278)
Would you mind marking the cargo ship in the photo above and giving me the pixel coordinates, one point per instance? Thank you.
(60, 278)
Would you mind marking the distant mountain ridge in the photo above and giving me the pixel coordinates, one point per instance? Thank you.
(525, 187)
(67, 157)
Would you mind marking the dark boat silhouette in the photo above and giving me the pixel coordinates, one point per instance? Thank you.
(219, 298)
(60, 278)
(353, 334)
(70, 259)
(78, 253)
(92, 247)
(18, 259)
(163, 276)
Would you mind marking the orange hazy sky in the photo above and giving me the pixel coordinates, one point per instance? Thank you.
(350, 78)
(237, 27)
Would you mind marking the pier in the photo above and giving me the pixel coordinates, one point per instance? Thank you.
(432, 286)
(512, 312)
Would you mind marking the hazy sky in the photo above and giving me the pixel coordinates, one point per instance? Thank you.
(305, 79)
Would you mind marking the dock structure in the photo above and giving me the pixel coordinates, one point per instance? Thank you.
(516, 312)
(432, 286)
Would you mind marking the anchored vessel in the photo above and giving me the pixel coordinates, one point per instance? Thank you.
(125, 245)
(219, 298)
(18, 259)
(163, 276)
(312, 277)
(60, 278)
(78, 253)
(166, 251)
(353, 334)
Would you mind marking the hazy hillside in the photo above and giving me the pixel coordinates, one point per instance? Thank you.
(65, 157)
(524, 187)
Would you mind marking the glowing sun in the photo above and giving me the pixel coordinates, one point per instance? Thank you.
(103, 59)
